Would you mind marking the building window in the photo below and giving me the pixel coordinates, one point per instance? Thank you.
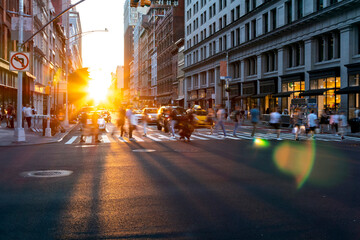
(251, 66)
(225, 42)
(220, 44)
(233, 15)
(299, 9)
(238, 12)
(232, 39)
(319, 5)
(288, 9)
(247, 32)
(329, 100)
(273, 19)
(237, 36)
(270, 61)
(253, 29)
(265, 23)
(236, 69)
(247, 6)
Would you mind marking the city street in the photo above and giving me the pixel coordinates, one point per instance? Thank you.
(205, 189)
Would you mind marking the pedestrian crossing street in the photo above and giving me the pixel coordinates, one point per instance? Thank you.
(202, 135)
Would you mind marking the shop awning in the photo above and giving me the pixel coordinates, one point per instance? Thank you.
(347, 90)
(180, 98)
(314, 92)
(261, 95)
(282, 94)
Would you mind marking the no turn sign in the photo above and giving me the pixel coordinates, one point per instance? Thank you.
(19, 61)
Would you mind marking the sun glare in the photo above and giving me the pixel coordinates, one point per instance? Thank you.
(98, 86)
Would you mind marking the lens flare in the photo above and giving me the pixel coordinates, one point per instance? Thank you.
(296, 160)
(258, 142)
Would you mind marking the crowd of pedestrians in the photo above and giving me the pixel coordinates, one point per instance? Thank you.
(302, 123)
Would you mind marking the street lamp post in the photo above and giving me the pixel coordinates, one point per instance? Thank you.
(19, 131)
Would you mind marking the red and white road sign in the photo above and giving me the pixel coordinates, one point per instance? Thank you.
(19, 61)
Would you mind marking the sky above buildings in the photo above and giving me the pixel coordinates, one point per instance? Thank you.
(102, 51)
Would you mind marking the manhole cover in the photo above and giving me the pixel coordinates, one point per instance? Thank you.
(143, 150)
(47, 173)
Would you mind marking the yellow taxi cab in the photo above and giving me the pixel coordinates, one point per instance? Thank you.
(201, 116)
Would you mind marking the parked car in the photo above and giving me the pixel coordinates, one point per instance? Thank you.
(150, 114)
(163, 116)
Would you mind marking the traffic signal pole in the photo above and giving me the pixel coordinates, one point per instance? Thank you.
(19, 130)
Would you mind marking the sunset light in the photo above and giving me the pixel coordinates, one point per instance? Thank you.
(98, 86)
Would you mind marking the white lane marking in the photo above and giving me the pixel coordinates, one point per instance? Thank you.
(105, 139)
(72, 140)
(88, 139)
(165, 137)
(153, 138)
(138, 139)
(209, 136)
(197, 137)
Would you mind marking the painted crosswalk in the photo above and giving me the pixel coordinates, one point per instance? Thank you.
(203, 135)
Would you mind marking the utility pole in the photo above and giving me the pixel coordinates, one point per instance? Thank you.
(67, 25)
(19, 131)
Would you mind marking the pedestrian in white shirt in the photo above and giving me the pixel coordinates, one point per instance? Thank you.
(28, 114)
(312, 123)
(343, 125)
(275, 119)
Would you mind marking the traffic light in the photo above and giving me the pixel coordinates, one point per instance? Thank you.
(144, 3)
(134, 3)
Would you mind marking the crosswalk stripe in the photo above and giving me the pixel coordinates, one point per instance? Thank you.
(88, 139)
(197, 137)
(165, 137)
(121, 139)
(234, 138)
(244, 136)
(72, 140)
(138, 139)
(153, 138)
(105, 139)
(209, 136)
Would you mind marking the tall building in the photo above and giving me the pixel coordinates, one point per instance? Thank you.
(169, 30)
(286, 54)
(130, 20)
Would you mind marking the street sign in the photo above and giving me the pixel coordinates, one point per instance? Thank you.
(19, 61)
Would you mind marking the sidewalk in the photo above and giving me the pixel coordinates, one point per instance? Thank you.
(31, 138)
(262, 125)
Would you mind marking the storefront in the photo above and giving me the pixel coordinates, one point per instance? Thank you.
(353, 89)
(234, 91)
(8, 91)
(291, 87)
(210, 100)
(323, 85)
(248, 90)
(192, 98)
(267, 89)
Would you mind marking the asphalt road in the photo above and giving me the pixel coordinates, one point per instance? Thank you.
(216, 189)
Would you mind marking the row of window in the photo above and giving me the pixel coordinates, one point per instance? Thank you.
(269, 19)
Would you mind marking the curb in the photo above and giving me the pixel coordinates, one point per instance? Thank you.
(42, 143)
